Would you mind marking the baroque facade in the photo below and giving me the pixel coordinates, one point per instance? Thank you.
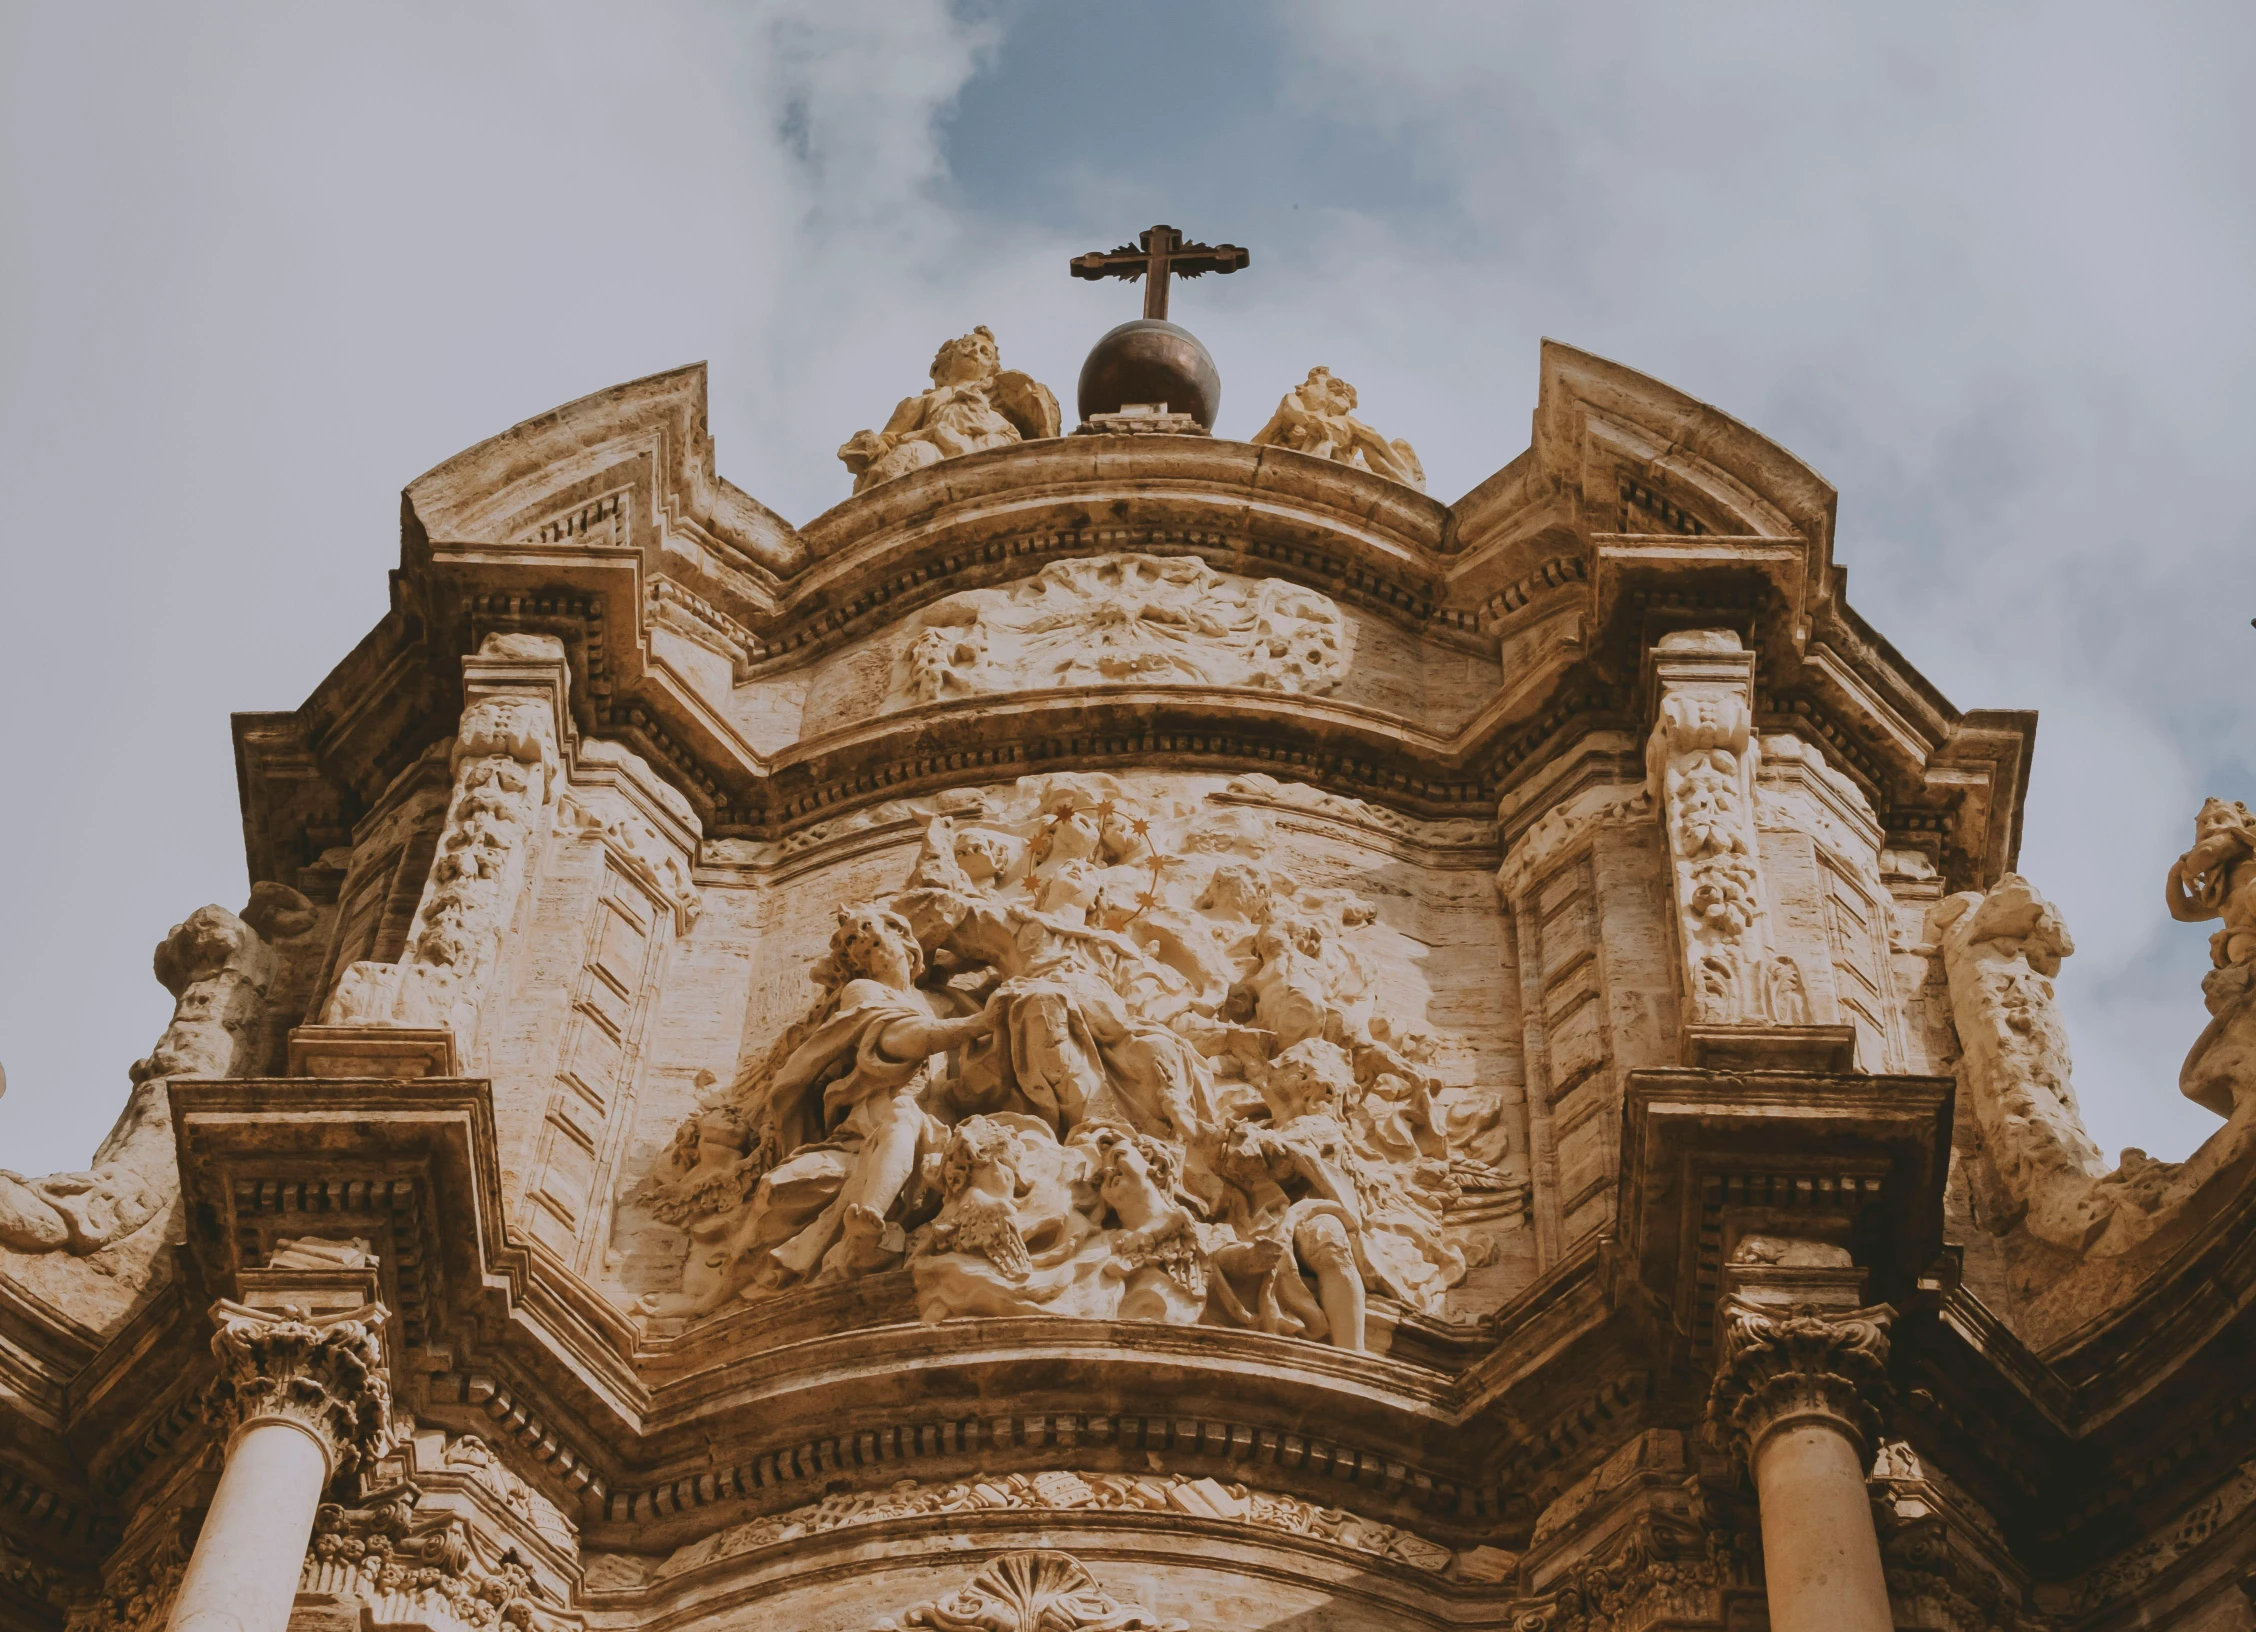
(1129, 1031)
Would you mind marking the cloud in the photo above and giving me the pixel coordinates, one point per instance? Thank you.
(1985, 268)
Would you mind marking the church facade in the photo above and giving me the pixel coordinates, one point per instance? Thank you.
(1129, 1030)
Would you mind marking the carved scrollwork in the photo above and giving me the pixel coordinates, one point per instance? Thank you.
(326, 1375)
(1041, 1591)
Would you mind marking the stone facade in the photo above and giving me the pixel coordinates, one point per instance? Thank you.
(1134, 1031)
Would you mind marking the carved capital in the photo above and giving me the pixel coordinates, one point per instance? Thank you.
(325, 1373)
(1782, 1364)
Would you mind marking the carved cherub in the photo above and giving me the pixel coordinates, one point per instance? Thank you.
(2217, 879)
(979, 1176)
(1317, 417)
(974, 403)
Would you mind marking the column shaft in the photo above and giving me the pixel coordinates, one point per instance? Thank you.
(1821, 1554)
(244, 1573)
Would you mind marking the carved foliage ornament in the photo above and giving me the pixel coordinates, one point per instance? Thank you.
(325, 1375)
(1785, 1364)
(1033, 1592)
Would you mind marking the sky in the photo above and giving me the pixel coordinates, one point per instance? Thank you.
(1989, 268)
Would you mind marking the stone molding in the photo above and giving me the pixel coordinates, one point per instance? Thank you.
(1782, 1364)
(1033, 1591)
(324, 1374)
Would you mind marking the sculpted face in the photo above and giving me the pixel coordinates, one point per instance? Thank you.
(876, 946)
(967, 360)
(983, 856)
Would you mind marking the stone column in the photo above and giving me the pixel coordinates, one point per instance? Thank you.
(1800, 1379)
(302, 1399)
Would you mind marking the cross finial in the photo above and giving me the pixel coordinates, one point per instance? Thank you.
(1157, 257)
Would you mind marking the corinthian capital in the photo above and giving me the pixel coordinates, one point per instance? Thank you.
(324, 1373)
(1782, 1364)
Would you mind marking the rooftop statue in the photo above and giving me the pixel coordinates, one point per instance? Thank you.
(974, 403)
(1317, 417)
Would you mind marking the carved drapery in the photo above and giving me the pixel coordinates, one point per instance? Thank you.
(325, 1374)
(1701, 761)
(1791, 1363)
(1032, 1592)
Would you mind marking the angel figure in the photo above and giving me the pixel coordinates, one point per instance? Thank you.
(1012, 1236)
(845, 1105)
(974, 403)
(1317, 417)
(2217, 879)
(979, 1177)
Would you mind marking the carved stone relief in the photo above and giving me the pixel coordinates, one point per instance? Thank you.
(140, 1582)
(1702, 758)
(427, 1568)
(505, 762)
(1102, 1056)
(1999, 951)
(1032, 1592)
(1142, 620)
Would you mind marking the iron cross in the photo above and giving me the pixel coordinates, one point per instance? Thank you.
(1158, 257)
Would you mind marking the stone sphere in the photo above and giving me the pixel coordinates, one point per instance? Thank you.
(1151, 361)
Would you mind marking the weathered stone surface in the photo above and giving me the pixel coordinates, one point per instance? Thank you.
(1135, 1030)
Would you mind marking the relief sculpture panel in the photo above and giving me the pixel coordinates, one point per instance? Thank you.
(1126, 620)
(1106, 1052)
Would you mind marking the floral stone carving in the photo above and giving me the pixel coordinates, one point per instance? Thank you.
(1098, 1058)
(974, 403)
(1033, 1592)
(1126, 620)
(1317, 417)
(326, 1375)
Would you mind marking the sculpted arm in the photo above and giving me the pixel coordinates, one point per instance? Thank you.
(911, 1038)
